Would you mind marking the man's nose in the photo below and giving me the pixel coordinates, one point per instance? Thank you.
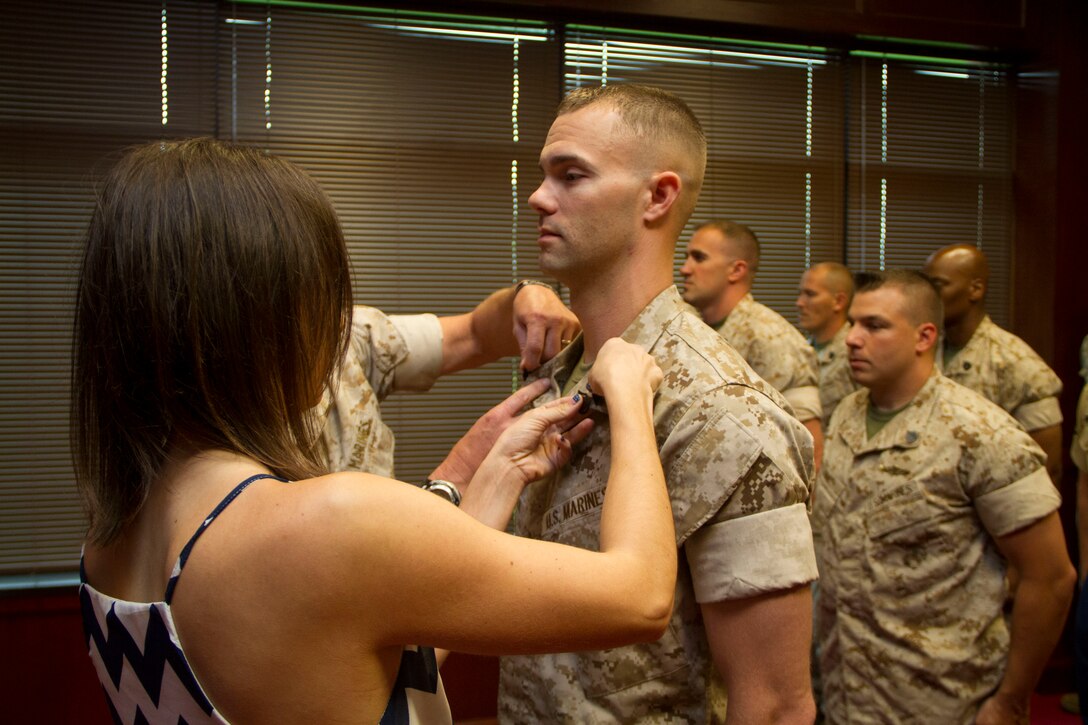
(538, 200)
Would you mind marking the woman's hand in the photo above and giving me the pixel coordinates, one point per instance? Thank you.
(539, 443)
(535, 445)
(469, 452)
(623, 369)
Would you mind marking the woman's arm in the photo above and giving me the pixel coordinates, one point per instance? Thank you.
(426, 573)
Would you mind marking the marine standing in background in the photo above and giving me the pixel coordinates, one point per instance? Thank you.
(720, 267)
(992, 361)
(822, 302)
(927, 493)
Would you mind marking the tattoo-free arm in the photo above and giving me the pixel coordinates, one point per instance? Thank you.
(1040, 606)
(1050, 440)
(816, 429)
(532, 322)
(761, 648)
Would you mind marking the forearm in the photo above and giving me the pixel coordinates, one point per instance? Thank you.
(637, 516)
(1082, 523)
(493, 492)
(480, 336)
(1038, 615)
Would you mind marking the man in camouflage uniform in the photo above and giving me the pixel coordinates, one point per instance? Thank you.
(622, 170)
(927, 489)
(991, 361)
(389, 353)
(720, 267)
(1078, 451)
(822, 301)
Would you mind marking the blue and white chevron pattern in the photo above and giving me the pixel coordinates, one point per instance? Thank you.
(143, 672)
(418, 697)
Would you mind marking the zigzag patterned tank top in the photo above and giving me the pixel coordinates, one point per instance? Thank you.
(147, 679)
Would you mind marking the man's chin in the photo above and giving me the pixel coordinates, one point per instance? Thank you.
(554, 268)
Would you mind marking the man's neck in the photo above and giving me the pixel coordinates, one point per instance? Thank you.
(898, 393)
(958, 333)
(722, 307)
(827, 333)
(608, 305)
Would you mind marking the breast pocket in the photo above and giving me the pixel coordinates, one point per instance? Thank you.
(906, 545)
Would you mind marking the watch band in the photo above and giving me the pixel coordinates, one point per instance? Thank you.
(445, 489)
(527, 282)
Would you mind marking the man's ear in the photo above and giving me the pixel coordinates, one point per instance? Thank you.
(664, 191)
(927, 337)
(738, 270)
(976, 290)
(839, 305)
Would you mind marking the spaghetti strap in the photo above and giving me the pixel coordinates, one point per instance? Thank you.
(184, 556)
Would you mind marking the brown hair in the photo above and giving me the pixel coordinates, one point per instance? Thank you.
(740, 239)
(212, 305)
(923, 299)
(655, 115)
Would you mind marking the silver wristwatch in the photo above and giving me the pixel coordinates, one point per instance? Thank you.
(445, 489)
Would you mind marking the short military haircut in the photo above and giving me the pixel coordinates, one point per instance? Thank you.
(923, 299)
(837, 278)
(742, 240)
(652, 114)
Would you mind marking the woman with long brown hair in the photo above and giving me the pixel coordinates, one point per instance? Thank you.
(227, 575)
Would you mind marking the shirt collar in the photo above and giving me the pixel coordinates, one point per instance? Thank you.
(645, 330)
(903, 431)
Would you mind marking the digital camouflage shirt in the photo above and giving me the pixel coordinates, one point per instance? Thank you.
(1004, 369)
(1078, 449)
(386, 353)
(737, 466)
(777, 352)
(835, 380)
(909, 618)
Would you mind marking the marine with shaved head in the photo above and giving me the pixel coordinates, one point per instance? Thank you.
(992, 361)
(823, 298)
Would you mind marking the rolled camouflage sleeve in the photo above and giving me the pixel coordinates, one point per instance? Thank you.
(759, 540)
(1018, 504)
(384, 354)
(1007, 478)
(765, 552)
(421, 366)
(1039, 414)
(1078, 449)
(805, 401)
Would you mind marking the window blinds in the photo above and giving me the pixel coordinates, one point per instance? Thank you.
(930, 164)
(425, 129)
